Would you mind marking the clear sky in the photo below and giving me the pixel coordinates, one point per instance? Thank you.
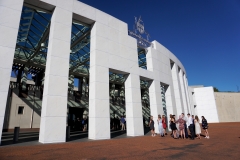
(203, 34)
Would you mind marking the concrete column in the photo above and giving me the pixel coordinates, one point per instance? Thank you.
(99, 110)
(169, 102)
(156, 107)
(180, 75)
(187, 95)
(134, 117)
(99, 105)
(54, 105)
(177, 89)
(24, 78)
(84, 85)
(10, 13)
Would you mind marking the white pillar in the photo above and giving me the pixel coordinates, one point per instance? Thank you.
(99, 106)
(180, 74)
(99, 110)
(54, 105)
(10, 13)
(177, 89)
(168, 98)
(134, 117)
(187, 95)
(155, 98)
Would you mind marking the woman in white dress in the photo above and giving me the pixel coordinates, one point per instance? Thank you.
(160, 126)
(197, 127)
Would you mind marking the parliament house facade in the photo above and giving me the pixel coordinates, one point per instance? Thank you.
(62, 59)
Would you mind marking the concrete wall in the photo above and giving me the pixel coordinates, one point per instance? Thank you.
(228, 106)
(32, 108)
(205, 104)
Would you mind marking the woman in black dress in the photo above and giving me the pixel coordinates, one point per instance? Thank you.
(173, 127)
(205, 127)
(151, 124)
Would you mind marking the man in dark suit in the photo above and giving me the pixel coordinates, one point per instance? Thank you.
(185, 125)
(193, 126)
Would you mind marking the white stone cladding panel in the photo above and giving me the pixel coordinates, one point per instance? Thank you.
(99, 71)
(180, 75)
(187, 93)
(146, 73)
(84, 10)
(52, 130)
(170, 101)
(100, 111)
(206, 105)
(54, 102)
(177, 89)
(192, 100)
(99, 128)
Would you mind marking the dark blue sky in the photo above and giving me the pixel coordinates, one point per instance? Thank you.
(203, 34)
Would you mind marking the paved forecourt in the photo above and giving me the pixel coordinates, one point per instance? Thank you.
(223, 144)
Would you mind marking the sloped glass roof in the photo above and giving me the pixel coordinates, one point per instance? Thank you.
(32, 37)
(32, 42)
(80, 48)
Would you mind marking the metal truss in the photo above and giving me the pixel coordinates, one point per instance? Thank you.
(32, 42)
(32, 37)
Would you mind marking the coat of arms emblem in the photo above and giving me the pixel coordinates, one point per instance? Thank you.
(140, 34)
(139, 25)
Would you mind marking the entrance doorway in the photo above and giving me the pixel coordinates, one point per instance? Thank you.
(75, 116)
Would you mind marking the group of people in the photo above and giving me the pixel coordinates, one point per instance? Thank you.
(180, 126)
(78, 124)
(117, 123)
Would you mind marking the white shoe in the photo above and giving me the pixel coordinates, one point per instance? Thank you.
(208, 137)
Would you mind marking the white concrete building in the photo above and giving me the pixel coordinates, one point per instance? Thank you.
(56, 42)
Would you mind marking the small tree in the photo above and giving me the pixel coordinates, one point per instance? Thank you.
(215, 89)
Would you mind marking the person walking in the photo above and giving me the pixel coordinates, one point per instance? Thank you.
(197, 127)
(190, 126)
(181, 123)
(205, 127)
(164, 124)
(194, 126)
(123, 123)
(151, 124)
(160, 126)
